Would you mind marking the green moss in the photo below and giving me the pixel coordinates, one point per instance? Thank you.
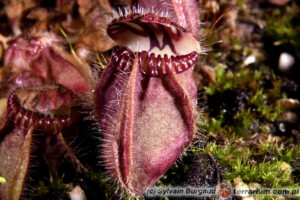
(213, 125)
(267, 173)
(240, 162)
(283, 28)
(260, 103)
(228, 79)
(52, 189)
(243, 122)
(286, 155)
(261, 98)
(280, 25)
(228, 154)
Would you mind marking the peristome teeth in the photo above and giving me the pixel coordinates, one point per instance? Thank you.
(158, 66)
(42, 121)
(167, 64)
(143, 60)
(152, 65)
(122, 59)
(175, 63)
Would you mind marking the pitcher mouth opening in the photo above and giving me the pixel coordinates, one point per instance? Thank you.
(46, 108)
(159, 43)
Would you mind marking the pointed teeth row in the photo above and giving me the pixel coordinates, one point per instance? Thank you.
(162, 65)
(122, 59)
(152, 65)
(26, 119)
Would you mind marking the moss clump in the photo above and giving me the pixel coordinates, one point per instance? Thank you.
(55, 189)
(240, 128)
(241, 102)
(283, 26)
(252, 165)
